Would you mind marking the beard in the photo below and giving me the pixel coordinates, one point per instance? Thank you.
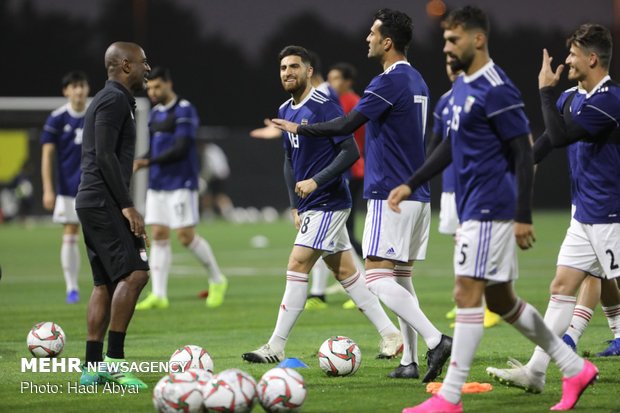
(461, 64)
(300, 84)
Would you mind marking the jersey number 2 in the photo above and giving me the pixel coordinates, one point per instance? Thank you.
(613, 265)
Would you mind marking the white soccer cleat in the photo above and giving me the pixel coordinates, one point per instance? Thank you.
(263, 354)
(390, 346)
(519, 376)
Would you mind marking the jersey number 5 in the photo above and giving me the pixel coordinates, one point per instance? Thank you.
(294, 139)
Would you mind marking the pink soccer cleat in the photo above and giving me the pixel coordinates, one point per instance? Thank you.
(435, 404)
(572, 387)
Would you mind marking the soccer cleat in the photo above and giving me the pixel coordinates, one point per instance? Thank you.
(569, 342)
(263, 354)
(451, 315)
(114, 374)
(73, 297)
(573, 387)
(390, 346)
(490, 318)
(410, 371)
(90, 376)
(437, 357)
(349, 305)
(612, 350)
(217, 292)
(315, 303)
(436, 404)
(152, 301)
(519, 376)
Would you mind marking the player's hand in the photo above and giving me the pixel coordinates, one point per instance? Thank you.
(136, 222)
(525, 235)
(49, 200)
(139, 164)
(305, 188)
(398, 194)
(285, 125)
(268, 132)
(546, 76)
(296, 218)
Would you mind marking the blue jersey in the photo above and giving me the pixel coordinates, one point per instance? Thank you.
(309, 155)
(178, 120)
(487, 112)
(396, 104)
(595, 183)
(64, 128)
(329, 91)
(441, 126)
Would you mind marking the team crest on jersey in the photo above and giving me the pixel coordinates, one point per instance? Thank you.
(304, 121)
(469, 102)
(143, 254)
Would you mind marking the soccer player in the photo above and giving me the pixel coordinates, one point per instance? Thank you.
(320, 204)
(489, 145)
(113, 229)
(394, 106)
(172, 195)
(62, 138)
(589, 123)
(448, 217)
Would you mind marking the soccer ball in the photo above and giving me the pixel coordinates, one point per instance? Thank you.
(281, 390)
(339, 356)
(179, 392)
(191, 357)
(231, 391)
(46, 339)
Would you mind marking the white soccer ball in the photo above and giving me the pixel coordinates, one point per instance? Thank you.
(281, 390)
(46, 339)
(178, 392)
(339, 356)
(232, 391)
(191, 357)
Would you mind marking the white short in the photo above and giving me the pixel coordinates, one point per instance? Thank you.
(64, 210)
(396, 236)
(173, 209)
(324, 230)
(448, 218)
(486, 250)
(594, 249)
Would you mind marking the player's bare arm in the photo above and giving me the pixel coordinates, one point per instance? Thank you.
(397, 195)
(47, 160)
(140, 163)
(285, 125)
(296, 218)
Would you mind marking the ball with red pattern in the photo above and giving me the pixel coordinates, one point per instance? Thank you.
(179, 393)
(281, 390)
(191, 357)
(231, 391)
(46, 339)
(339, 356)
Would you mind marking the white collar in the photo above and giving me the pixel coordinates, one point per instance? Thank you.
(74, 113)
(303, 102)
(393, 65)
(163, 108)
(597, 87)
(478, 73)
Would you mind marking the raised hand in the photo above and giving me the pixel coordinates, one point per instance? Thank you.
(546, 76)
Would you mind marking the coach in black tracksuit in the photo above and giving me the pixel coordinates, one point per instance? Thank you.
(113, 230)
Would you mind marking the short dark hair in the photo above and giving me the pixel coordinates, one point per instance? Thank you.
(397, 26)
(347, 70)
(315, 62)
(75, 76)
(159, 72)
(594, 38)
(469, 17)
(293, 50)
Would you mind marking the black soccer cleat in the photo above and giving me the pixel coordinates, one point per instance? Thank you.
(437, 357)
(410, 371)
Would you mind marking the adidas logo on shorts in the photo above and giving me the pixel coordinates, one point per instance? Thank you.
(390, 251)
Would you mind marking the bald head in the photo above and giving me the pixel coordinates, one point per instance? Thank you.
(126, 63)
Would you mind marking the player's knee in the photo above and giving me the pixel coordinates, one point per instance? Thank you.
(185, 238)
(465, 298)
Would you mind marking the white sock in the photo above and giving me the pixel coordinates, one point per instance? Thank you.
(403, 277)
(468, 332)
(368, 304)
(159, 261)
(528, 321)
(613, 319)
(202, 250)
(578, 324)
(320, 275)
(557, 318)
(382, 284)
(290, 309)
(70, 261)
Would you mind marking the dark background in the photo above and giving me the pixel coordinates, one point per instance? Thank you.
(223, 59)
